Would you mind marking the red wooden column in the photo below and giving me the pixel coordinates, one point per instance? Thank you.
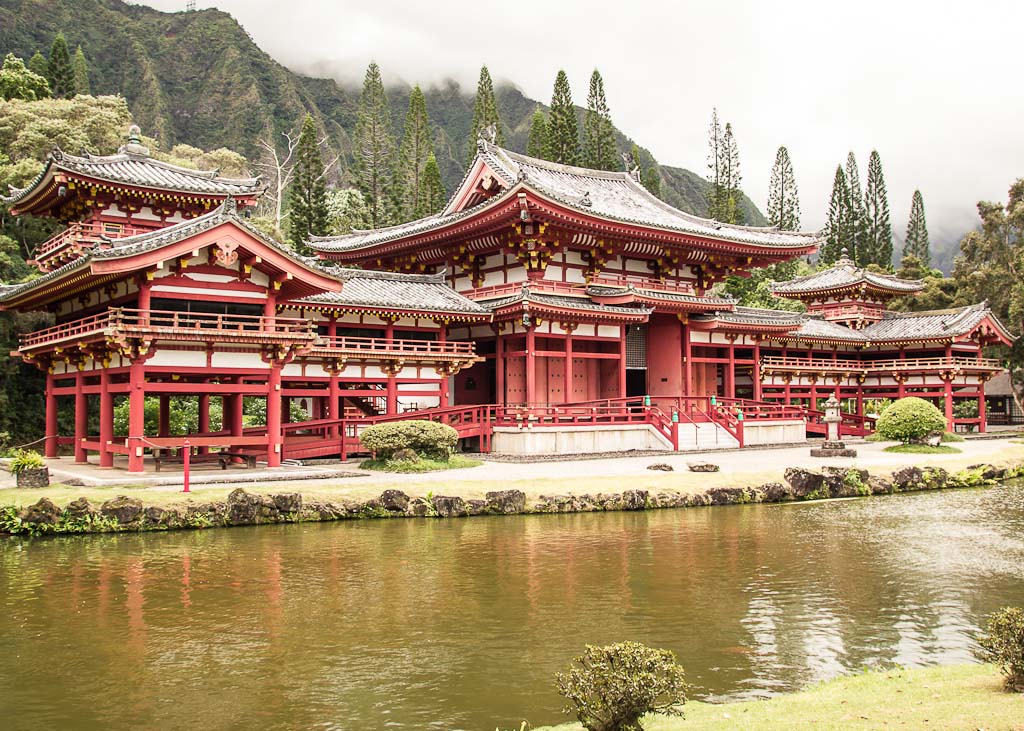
(275, 439)
(136, 415)
(622, 360)
(531, 372)
(756, 370)
(81, 418)
(442, 338)
(51, 417)
(204, 419)
(948, 390)
(568, 395)
(106, 420)
(392, 392)
(981, 405)
(730, 373)
(499, 369)
(687, 357)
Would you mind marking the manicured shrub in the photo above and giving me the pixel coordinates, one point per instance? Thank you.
(611, 688)
(26, 459)
(1003, 644)
(909, 420)
(427, 438)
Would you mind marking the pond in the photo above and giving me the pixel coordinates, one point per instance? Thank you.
(462, 623)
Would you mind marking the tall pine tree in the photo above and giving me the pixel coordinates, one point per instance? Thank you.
(307, 211)
(878, 241)
(599, 151)
(716, 193)
(60, 73)
(537, 143)
(731, 178)
(417, 147)
(837, 225)
(434, 196)
(916, 243)
(856, 215)
(81, 69)
(39, 65)
(373, 148)
(485, 113)
(783, 199)
(563, 129)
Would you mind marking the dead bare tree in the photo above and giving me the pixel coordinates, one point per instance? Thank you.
(279, 167)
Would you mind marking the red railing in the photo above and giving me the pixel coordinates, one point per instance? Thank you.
(772, 362)
(88, 233)
(535, 285)
(397, 345)
(852, 425)
(66, 331)
(641, 282)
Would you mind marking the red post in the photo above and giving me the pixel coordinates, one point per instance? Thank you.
(106, 420)
(51, 417)
(136, 416)
(81, 418)
(982, 414)
(755, 371)
(623, 332)
(531, 372)
(568, 388)
(687, 359)
(499, 367)
(274, 436)
(187, 457)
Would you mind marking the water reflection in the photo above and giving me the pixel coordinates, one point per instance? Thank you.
(461, 624)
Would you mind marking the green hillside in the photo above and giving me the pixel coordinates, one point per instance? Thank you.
(197, 77)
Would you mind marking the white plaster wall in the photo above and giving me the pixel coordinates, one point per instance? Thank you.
(609, 331)
(238, 360)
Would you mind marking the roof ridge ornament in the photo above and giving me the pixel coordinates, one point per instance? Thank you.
(844, 258)
(632, 165)
(230, 206)
(134, 145)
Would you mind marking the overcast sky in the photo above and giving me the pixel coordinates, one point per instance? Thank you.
(934, 86)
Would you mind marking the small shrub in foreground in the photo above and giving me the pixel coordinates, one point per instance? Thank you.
(611, 688)
(1003, 644)
(910, 420)
(427, 438)
(26, 459)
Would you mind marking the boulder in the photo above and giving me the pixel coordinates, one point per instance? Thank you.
(907, 478)
(634, 499)
(476, 507)
(934, 478)
(80, 509)
(172, 517)
(506, 502)
(451, 507)
(42, 512)
(845, 481)
(880, 485)
(702, 467)
(243, 507)
(776, 492)
(405, 455)
(33, 478)
(727, 495)
(988, 471)
(288, 502)
(660, 467)
(804, 482)
(419, 508)
(394, 500)
(125, 510)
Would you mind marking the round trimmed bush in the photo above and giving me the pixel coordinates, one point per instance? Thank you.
(427, 438)
(1003, 644)
(910, 420)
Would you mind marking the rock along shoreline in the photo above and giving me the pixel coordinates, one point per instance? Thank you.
(130, 514)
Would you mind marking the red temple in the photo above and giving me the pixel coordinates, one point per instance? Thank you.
(547, 308)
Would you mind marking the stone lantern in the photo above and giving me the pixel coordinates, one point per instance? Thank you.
(833, 446)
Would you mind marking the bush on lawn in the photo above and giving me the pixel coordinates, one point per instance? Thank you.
(611, 688)
(427, 438)
(911, 420)
(1003, 644)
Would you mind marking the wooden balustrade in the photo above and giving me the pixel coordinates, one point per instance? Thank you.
(90, 232)
(396, 346)
(771, 362)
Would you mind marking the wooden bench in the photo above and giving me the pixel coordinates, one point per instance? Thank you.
(224, 458)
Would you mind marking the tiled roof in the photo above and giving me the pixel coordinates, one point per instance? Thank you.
(561, 301)
(842, 275)
(133, 168)
(611, 195)
(390, 290)
(815, 328)
(928, 325)
(754, 316)
(602, 290)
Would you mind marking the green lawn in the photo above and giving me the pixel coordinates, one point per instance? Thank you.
(455, 462)
(921, 449)
(954, 698)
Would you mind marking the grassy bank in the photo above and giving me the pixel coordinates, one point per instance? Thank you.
(955, 698)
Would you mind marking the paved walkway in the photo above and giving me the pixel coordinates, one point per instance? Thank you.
(738, 468)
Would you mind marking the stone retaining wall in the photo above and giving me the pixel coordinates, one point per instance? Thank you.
(246, 508)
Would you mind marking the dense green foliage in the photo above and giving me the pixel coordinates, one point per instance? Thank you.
(783, 209)
(374, 149)
(485, 114)
(26, 459)
(563, 128)
(1003, 645)
(916, 242)
(61, 73)
(412, 197)
(80, 68)
(839, 232)
(856, 214)
(308, 199)
(434, 196)
(878, 230)
(911, 419)
(429, 439)
(19, 82)
(599, 152)
(537, 143)
(724, 178)
(611, 688)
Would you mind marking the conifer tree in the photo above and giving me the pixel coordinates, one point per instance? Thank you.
(563, 129)
(856, 215)
(599, 151)
(783, 199)
(60, 73)
(39, 65)
(729, 167)
(81, 70)
(485, 113)
(715, 194)
(876, 207)
(837, 225)
(537, 143)
(308, 211)
(417, 146)
(374, 148)
(916, 243)
(434, 196)
(651, 179)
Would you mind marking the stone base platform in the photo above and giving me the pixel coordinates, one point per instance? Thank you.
(833, 449)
